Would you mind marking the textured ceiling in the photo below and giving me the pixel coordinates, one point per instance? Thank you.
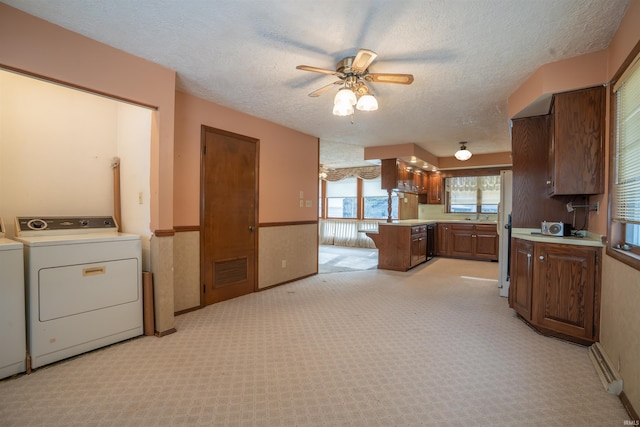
(467, 57)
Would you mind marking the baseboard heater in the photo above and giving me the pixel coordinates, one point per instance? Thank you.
(604, 368)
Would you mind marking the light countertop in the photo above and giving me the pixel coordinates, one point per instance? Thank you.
(590, 239)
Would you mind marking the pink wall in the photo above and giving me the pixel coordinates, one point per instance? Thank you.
(625, 39)
(579, 72)
(38, 47)
(561, 76)
(288, 162)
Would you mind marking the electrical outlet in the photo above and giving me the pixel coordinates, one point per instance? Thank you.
(284, 263)
(301, 203)
(302, 194)
(308, 203)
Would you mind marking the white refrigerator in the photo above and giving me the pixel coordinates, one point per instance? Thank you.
(504, 231)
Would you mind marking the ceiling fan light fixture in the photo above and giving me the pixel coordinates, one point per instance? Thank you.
(463, 154)
(345, 96)
(342, 109)
(367, 103)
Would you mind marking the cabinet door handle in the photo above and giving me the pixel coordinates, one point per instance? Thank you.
(528, 255)
(541, 257)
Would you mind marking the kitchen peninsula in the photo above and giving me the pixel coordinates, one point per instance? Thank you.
(404, 244)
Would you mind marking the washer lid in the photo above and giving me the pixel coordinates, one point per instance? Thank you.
(9, 245)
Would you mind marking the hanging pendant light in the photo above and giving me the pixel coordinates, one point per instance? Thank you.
(463, 154)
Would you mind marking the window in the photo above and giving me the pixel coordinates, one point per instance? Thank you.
(473, 194)
(342, 198)
(625, 219)
(376, 200)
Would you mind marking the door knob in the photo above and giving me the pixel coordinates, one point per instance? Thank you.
(252, 228)
(541, 257)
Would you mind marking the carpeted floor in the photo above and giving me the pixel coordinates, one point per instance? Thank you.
(432, 347)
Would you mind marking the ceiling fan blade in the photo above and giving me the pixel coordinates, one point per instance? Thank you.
(323, 89)
(402, 79)
(316, 69)
(363, 59)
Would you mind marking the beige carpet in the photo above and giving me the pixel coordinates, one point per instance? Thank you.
(432, 347)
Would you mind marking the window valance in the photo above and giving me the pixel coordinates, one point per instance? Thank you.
(366, 172)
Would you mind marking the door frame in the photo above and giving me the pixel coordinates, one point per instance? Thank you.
(203, 131)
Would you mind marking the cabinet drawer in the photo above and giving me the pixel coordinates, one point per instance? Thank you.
(418, 229)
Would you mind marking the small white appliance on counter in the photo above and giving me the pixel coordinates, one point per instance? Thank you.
(83, 284)
(504, 231)
(12, 320)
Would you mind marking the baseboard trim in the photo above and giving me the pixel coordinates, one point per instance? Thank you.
(187, 310)
(288, 281)
(165, 333)
(629, 407)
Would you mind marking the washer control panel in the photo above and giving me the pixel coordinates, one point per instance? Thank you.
(35, 226)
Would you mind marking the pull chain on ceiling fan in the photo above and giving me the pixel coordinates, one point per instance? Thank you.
(353, 74)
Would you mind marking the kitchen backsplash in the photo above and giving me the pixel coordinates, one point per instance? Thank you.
(437, 212)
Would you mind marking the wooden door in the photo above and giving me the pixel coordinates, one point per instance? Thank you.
(521, 277)
(565, 289)
(228, 215)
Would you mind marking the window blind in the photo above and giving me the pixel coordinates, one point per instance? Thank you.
(626, 201)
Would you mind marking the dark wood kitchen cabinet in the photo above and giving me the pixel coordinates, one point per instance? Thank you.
(418, 245)
(576, 147)
(434, 189)
(461, 240)
(521, 284)
(400, 247)
(556, 288)
(472, 241)
(529, 152)
(442, 239)
(402, 176)
(567, 290)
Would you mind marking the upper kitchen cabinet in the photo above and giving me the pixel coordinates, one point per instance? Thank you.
(434, 189)
(576, 146)
(398, 175)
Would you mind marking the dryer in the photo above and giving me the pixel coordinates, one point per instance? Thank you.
(12, 319)
(83, 282)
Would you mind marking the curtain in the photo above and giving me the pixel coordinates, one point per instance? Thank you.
(347, 232)
(473, 183)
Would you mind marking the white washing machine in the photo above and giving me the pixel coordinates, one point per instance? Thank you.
(83, 284)
(12, 320)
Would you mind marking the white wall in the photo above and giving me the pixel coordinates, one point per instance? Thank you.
(56, 149)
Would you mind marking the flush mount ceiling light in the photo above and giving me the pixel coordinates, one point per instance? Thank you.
(463, 154)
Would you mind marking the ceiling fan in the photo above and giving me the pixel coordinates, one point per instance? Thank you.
(353, 73)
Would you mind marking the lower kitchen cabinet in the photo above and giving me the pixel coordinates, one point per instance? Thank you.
(521, 277)
(400, 247)
(442, 246)
(556, 288)
(471, 241)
